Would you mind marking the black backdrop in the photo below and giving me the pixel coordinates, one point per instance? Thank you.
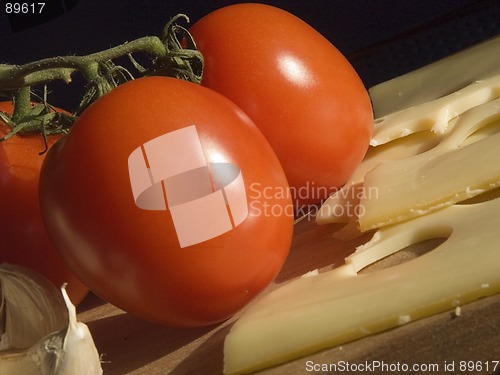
(382, 38)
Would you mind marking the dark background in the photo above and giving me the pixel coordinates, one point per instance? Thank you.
(381, 38)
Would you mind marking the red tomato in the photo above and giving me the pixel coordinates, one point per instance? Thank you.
(168, 202)
(24, 239)
(296, 86)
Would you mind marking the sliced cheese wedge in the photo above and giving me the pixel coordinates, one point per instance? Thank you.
(442, 176)
(320, 311)
(437, 79)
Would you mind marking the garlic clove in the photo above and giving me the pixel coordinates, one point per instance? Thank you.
(79, 354)
(26, 299)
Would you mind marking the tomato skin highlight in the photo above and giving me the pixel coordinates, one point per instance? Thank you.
(24, 240)
(296, 86)
(130, 256)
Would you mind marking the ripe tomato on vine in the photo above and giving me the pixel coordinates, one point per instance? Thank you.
(153, 200)
(24, 238)
(296, 86)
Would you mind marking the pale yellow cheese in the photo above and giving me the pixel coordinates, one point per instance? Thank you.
(448, 173)
(418, 127)
(437, 79)
(404, 134)
(435, 115)
(342, 205)
(397, 172)
(330, 308)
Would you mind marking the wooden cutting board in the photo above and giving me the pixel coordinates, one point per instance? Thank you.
(132, 346)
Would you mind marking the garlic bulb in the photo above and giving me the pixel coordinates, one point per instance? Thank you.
(31, 307)
(39, 331)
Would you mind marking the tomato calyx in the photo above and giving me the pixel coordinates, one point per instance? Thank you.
(174, 55)
(34, 118)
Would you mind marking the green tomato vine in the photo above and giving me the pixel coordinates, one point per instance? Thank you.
(174, 54)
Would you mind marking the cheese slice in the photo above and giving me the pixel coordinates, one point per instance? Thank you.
(442, 176)
(403, 134)
(435, 115)
(437, 79)
(380, 206)
(342, 205)
(328, 309)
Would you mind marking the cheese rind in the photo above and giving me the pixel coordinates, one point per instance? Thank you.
(340, 305)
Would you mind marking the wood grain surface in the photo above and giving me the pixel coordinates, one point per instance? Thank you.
(132, 346)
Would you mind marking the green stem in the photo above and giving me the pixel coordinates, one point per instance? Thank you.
(13, 77)
(22, 103)
(167, 56)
